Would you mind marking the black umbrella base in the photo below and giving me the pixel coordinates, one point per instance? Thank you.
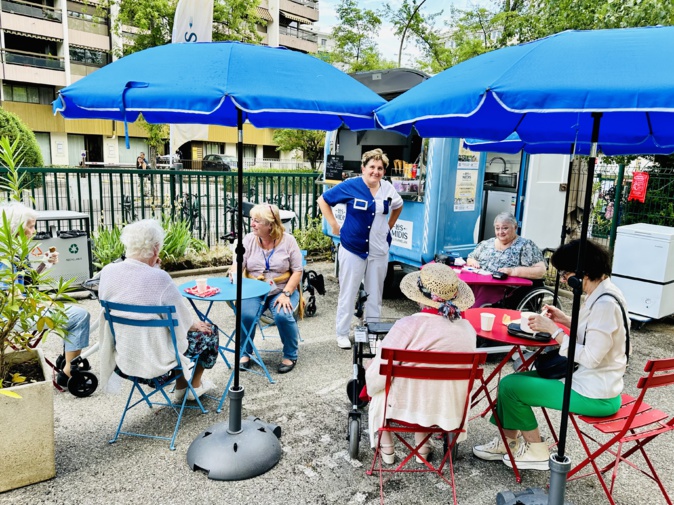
(243, 455)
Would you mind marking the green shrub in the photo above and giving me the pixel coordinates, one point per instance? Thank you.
(107, 246)
(313, 240)
(28, 154)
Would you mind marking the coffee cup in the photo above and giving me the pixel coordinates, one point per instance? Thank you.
(524, 321)
(487, 321)
(202, 285)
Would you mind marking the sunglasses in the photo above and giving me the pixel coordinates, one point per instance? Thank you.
(271, 209)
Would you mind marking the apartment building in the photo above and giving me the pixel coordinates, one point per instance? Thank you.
(48, 44)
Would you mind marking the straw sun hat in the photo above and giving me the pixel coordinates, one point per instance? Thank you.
(436, 283)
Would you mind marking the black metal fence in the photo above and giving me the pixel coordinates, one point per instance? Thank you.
(610, 205)
(207, 200)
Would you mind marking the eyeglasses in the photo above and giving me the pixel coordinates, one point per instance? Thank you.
(563, 274)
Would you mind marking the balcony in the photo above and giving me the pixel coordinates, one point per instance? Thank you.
(32, 10)
(298, 33)
(313, 4)
(24, 58)
(300, 40)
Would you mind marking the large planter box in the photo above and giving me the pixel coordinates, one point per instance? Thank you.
(27, 429)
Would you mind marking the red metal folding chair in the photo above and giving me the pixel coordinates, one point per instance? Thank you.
(425, 366)
(631, 428)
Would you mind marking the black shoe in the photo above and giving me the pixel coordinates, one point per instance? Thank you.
(283, 368)
(244, 365)
(62, 379)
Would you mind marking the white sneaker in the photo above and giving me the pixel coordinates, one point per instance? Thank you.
(496, 449)
(530, 456)
(206, 385)
(178, 395)
(344, 342)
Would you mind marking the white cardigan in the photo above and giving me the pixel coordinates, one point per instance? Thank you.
(141, 351)
(600, 349)
(427, 403)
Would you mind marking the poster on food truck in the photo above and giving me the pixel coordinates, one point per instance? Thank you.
(465, 190)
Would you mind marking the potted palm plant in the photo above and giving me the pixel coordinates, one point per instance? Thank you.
(26, 393)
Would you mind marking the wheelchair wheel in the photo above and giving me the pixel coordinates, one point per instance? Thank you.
(82, 384)
(354, 438)
(534, 300)
(310, 308)
(61, 362)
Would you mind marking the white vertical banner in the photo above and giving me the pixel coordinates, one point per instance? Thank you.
(193, 22)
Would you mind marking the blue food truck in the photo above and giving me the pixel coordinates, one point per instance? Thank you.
(451, 194)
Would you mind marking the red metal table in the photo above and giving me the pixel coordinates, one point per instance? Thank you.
(499, 333)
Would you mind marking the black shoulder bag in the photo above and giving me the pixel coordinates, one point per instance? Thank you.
(551, 365)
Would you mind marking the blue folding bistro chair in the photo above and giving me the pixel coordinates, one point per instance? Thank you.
(167, 320)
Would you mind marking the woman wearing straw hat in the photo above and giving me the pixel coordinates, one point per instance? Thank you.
(437, 327)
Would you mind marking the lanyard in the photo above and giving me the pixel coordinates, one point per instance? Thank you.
(267, 258)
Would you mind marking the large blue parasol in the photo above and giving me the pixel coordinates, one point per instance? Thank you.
(513, 144)
(606, 87)
(225, 83)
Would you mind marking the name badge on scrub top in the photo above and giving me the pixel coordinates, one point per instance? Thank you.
(359, 204)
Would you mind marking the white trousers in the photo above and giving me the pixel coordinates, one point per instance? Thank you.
(352, 270)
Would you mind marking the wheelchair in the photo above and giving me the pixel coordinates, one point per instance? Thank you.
(528, 298)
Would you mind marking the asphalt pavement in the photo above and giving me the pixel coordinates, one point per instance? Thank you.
(311, 407)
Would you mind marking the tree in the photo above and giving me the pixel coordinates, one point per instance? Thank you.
(355, 45)
(232, 20)
(156, 137)
(411, 24)
(310, 142)
(13, 128)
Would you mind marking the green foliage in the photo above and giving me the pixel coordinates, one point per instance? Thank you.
(355, 39)
(10, 157)
(312, 238)
(310, 142)
(107, 246)
(25, 153)
(232, 20)
(14, 129)
(23, 307)
(411, 24)
(178, 240)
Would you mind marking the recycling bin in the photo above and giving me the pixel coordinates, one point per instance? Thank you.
(69, 232)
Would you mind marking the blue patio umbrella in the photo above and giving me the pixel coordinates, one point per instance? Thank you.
(577, 87)
(513, 144)
(225, 83)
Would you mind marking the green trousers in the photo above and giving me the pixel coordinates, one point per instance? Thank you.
(519, 392)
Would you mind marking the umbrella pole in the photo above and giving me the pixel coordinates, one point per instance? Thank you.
(563, 234)
(560, 464)
(239, 450)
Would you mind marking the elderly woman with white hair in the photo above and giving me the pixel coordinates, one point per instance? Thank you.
(148, 352)
(23, 217)
(507, 253)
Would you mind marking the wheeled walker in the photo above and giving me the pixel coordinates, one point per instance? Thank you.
(366, 339)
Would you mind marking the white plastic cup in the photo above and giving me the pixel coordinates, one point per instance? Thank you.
(202, 285)
(233, 277)
(524, 321)
(487, 321)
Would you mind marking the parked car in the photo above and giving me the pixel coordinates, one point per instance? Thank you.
(218, 162)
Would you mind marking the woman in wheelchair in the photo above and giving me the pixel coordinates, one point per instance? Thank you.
(507, 253)
(437, 327)
(272, 255)
(147, 352)
(600, 354)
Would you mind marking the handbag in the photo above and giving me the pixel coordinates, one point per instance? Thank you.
(552, 365)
